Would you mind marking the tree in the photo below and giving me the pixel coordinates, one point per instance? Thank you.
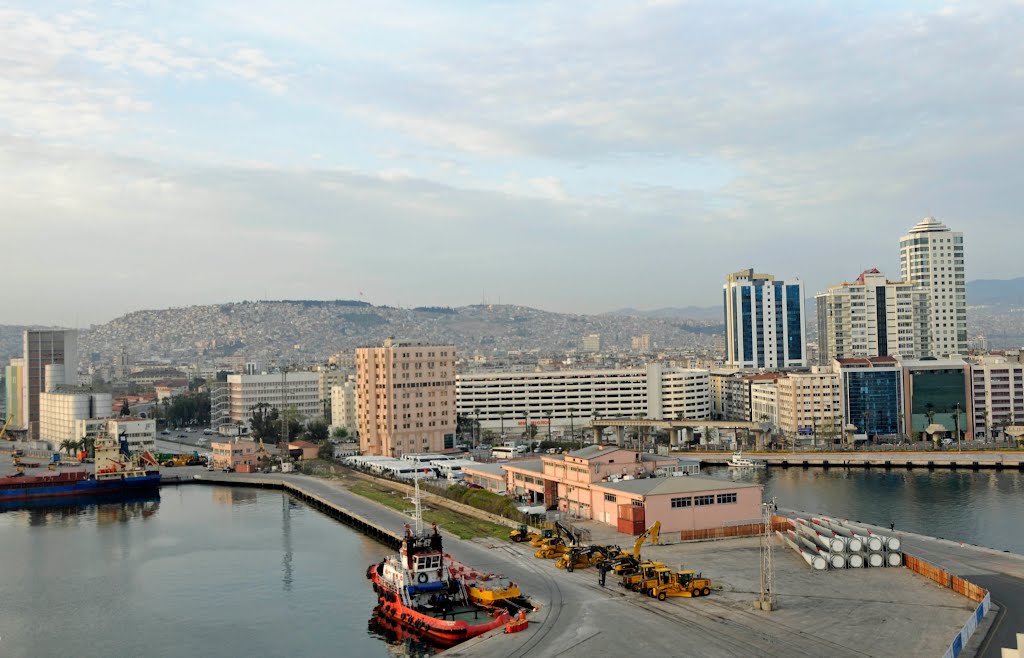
(317, 430)
(88, 445)
(125, 409)
(340, 433)
(326, 451)
(68, 446)
(264, 422)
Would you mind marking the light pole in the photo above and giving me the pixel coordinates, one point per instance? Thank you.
(572, 430)
(549, 414)
(476, 427)
(503, 425)
(526, 424)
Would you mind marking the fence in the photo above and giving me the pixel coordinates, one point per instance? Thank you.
(743, 530)
(960, 586)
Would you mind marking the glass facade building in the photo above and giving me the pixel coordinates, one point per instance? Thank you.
(872, 400)
(764, 321)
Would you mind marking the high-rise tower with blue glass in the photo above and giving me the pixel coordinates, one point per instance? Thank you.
(764, 321)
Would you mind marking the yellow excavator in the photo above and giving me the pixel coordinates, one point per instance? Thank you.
(581, 557)
(3, 431)
(623, 562)
(679, 583)
(555, 547)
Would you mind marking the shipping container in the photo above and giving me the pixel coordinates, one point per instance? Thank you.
(245, 468)
(628, 527)
(631, 512)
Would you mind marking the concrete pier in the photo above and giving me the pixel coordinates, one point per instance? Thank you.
(936, 459)
(883, 611)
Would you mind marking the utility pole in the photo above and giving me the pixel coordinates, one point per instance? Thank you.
(956, 424)
(766, 599)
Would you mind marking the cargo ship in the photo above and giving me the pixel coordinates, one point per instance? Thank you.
(115, 471)
(419, 594)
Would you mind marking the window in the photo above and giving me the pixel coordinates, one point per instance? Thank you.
(726, 498)
(682, 502)
(704, 500)
(611, 498)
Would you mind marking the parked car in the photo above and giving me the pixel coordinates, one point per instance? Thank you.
(228, 469)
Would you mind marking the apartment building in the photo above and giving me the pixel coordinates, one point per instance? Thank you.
(873, 316)
(764, 321)
(405, 398)
(932, 257)
(810, 405)
(279, 390)
(343, 406)
(997, 389)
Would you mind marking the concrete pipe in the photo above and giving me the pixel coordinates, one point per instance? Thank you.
(894, 559)
(855, 560)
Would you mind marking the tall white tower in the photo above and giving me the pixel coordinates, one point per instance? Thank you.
(932, 257)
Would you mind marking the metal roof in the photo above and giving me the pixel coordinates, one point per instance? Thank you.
(686, 484)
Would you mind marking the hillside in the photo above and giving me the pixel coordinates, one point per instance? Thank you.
(301, 330)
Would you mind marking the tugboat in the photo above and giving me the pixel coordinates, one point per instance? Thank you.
(419, 594)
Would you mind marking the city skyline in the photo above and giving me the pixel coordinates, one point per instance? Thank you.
(408, 155)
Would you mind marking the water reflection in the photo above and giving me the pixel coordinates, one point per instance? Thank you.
(399, 642)
(979, 507)
(72, 510)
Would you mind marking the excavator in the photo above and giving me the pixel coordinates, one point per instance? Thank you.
(555, 547)
(581, 557)
(623, 562)
(647, 572)
(3, 430)
(679, 583)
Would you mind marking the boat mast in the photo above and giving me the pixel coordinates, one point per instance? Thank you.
(418, 511)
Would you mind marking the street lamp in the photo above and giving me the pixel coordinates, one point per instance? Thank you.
(572, 430)
(549, 414)
(502, 425)
(476, 427)
(526, 424)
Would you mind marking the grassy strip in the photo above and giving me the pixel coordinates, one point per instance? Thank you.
(462, 526)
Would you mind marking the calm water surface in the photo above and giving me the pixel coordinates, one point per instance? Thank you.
(200, 571)
(978, 507)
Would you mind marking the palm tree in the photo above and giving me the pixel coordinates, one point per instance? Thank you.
(68, 446)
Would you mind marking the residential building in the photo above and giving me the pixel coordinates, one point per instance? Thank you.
(997, 389)
(764, 402)
(405, 398)
(568, 399)
(153, 376)
(330, 376)
(591, 343)
(932, 257)
(166, 391)
(280, 390)
(810, 405)
(43, 348)
(764, 321)
(15, 403)
(873, 317)
(343, 406)
(872, 393)
(719, 379)
(58, 411)
(938, 392)
(641, 343)
(220, 403)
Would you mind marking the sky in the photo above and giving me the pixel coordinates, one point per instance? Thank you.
(571, 156)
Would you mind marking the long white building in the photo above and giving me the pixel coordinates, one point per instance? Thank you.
(873, 316)
(568, 399)
(932, 256)
(58, 412)
(299, 389)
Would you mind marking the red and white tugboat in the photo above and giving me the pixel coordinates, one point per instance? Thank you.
(419, 594)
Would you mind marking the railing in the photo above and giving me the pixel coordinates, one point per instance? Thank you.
(960, 586)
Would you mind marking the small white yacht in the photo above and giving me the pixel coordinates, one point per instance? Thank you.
(739, 461)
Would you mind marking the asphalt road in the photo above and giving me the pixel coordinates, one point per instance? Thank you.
(1008, 593)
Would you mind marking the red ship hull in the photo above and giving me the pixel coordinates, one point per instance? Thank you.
(439, 632)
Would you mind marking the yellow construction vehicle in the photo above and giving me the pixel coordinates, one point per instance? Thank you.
(3, 430)
(522, 533)
(537, 540)
(581, 557)
(177, 460)
(555, 546)
(680, 583)
(633, 579)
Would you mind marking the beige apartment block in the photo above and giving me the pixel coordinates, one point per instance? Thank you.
(405, 398)
(810, 405)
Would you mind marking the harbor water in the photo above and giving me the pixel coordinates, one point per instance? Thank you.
(196, 571)
(978, 507)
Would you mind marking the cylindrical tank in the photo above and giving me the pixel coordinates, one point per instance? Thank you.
(894, 559)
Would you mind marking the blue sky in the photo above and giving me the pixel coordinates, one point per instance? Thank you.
(571, 156)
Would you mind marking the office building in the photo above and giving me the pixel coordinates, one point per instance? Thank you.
(937, 392)
(44, 348)
(591, 343)
(764, 321)
(932, 257)
(280, 390)
(58, 411)
(872, 317)
(872, 392)
(15, 408)
(997, 386)
(405, 398)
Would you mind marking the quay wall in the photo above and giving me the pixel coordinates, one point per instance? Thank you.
(961, 586)
(909, 460)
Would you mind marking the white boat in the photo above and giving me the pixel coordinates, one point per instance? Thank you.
(739, 461)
